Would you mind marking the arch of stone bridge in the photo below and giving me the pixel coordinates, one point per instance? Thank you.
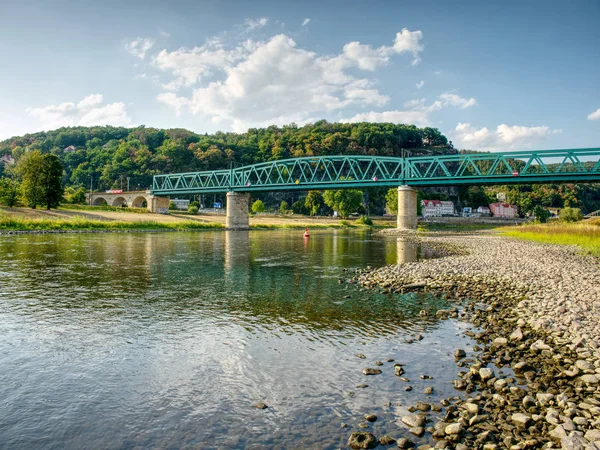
(119, 201)
(99, 201)
(139, 202)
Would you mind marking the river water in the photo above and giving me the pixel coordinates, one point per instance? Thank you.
(165, 340)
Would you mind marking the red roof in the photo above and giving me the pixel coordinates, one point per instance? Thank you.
(434, 202)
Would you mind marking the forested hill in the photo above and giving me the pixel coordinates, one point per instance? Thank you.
(111, 154)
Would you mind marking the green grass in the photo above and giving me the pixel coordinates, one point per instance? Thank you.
(67, 207)
(15, 223)
(586, 234)
(459, 226)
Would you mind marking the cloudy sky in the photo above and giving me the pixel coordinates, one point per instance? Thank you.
(490, 75)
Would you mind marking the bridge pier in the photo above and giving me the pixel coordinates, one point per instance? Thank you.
(237, 211)
(407, 208)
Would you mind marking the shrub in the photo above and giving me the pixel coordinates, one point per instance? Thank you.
(194, 203)
(364, 220)
(283, 207)
(258, 206)
(541, 214)
(172, 206)
(298, 207)
(570, 215)
(193, 209)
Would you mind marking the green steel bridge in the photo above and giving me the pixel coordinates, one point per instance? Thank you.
(355, 171)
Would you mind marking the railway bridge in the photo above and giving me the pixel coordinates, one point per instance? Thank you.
(359, 172)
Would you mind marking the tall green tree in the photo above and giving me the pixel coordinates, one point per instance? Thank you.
(41, 179)
(313, 202)
(9, 192)
(344, 201)
(30, 171)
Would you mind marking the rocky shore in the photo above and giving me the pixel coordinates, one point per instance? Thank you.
(533, 379)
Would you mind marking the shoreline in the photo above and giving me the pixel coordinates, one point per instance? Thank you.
(534, 381)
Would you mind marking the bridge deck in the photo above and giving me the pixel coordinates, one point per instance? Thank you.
(355, 171)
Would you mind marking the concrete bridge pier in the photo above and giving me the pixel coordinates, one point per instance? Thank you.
(407, 208)
(237, 211)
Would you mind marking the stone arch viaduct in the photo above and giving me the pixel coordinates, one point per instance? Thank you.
(132, 199)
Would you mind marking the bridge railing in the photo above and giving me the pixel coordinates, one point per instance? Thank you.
(346, 171)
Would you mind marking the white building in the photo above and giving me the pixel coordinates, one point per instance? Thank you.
(181, 204)
(484, 211)
(437, 208)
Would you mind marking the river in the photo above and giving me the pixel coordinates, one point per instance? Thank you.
(165, 340)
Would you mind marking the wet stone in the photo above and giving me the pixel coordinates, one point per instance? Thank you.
(362, 440)
(370, 417)
(371, 371)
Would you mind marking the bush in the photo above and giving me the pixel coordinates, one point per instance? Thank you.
(172, 206)
(570, 215)
(541, 214)
(193, 209)
(298, 207)
(197, 204)
(364, 220)
(283, 207)
(258, 206)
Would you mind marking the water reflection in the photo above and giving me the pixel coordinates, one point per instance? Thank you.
(177, 334)
(407, 251)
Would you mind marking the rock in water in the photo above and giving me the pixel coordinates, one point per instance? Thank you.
(370, 417)
(362, 440)
(260, 405)
(460, 353)
(386, 440)
(371, 371)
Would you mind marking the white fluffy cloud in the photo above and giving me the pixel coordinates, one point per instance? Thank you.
(86, 113)
(268, 82)
(139, 47)
(416, 111)
(505, 137)
(455, 100)
(595, 115)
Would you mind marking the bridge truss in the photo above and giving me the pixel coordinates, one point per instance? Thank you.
(355, 171)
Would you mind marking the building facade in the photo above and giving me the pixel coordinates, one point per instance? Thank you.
(503, 210)
(437, 208)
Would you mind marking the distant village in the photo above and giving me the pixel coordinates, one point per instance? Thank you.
(444, 208)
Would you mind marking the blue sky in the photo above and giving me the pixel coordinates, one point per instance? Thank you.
(490, 75)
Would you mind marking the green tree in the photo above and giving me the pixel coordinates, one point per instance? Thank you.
(30, 170)
(570, 215)
(283, 207)
(298, 206)
(391, 201)
(541, 214)
(258, 206)
(344, 201)
(51, 181)
(313, 202)
(9, 192)
(75, 195)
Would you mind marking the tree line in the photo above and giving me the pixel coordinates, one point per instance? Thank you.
(115, 157)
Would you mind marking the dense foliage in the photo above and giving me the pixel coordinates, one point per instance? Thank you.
(115, 157)
(111, 155)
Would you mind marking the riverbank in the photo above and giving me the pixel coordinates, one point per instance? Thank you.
(584, 234)
(66, 220)
(533, 378)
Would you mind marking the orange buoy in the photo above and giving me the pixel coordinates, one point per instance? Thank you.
(306, 233)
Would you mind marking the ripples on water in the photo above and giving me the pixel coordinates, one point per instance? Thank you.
(165, 340)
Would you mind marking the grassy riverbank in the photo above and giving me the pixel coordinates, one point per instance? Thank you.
(585, 234)
(18, 223)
